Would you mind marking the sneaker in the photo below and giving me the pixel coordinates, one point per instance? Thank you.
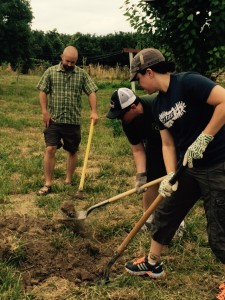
(147, 227)
(221, 294)
(180, 231)
(141, 266)
(148, 224)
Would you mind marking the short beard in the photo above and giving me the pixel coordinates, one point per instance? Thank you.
(68, 68)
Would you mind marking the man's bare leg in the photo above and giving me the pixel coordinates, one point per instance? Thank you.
(149, 196)
(155, 252)
(71, 164)
(49, 164)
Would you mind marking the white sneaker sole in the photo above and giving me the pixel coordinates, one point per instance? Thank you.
(151, 275)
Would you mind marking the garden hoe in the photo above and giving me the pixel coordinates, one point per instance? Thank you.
(137, 227)
(69, 210)
(81, 186)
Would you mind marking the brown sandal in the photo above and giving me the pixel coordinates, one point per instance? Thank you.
(45, 190)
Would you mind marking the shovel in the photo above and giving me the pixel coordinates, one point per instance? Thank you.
(81, 185)
(81, 215)
(137, 227)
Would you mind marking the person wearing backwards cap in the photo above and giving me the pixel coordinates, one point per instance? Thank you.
(190, 113)
(140, 128)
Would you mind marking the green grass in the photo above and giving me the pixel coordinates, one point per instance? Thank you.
(10, 283)
(192, 269)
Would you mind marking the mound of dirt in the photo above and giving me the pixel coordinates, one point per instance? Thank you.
(41, 249)
(68, 209)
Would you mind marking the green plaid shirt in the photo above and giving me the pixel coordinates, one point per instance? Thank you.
(65, 91)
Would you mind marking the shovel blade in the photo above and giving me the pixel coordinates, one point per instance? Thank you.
(81, 215)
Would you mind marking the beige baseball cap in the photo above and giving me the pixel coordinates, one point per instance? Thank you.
(145, 58)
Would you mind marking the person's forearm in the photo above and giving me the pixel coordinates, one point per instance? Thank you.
(93, 102)
(170, 159)
(169, 151)
(139, 158)
(43, 100)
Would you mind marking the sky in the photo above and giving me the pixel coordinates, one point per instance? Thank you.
(99, 17)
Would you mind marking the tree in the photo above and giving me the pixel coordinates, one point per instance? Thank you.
(104, 50)
(15, 33)
(191, 31)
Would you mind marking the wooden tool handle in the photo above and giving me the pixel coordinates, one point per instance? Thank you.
(81, 186)
(132, 191)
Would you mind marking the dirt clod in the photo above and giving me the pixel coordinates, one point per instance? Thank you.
(68, 209)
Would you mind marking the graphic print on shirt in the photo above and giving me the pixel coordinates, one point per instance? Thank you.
(168, 117)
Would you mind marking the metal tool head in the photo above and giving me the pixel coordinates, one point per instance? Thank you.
(80, 194)
(81, 215)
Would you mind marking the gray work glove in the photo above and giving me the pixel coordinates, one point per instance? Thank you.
(166, 188)
(141, 179)
(196, 150)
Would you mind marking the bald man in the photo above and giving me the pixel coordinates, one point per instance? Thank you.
(60, 89)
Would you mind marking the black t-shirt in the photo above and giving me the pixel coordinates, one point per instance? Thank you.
(143, 128)
(184, 111)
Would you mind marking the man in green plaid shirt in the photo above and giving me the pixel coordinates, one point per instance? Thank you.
(60, 91)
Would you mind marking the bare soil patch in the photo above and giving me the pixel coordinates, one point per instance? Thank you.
(48, 252)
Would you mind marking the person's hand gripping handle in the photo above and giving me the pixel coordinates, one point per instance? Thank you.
(170, 183)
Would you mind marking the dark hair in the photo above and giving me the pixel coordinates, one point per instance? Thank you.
(161, 67)
(137, 100)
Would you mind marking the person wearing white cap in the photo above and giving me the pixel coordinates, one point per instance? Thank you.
(190, 113)
(141, 131)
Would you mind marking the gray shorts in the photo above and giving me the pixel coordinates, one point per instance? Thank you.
(66, 135)
(209, 184)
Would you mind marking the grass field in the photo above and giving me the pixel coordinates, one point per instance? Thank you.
(43, 258)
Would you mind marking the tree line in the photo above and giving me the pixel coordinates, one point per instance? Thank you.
(25, 48)
(93, 49)
(190, 32)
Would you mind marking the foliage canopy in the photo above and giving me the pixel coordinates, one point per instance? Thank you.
(15, 19)
(191, 31)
